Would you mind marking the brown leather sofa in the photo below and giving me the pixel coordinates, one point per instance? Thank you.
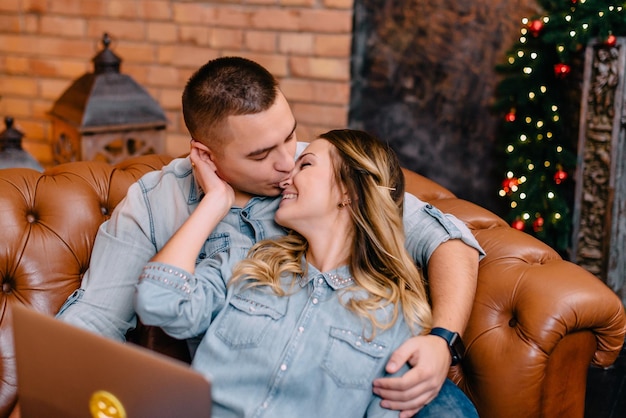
(537, 322)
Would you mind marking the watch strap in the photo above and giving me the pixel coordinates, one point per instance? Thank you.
(454, 341)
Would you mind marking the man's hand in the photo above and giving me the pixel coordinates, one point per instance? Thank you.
(430, 360)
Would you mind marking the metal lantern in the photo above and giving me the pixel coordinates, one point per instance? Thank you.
(106, 116)
(11, 152)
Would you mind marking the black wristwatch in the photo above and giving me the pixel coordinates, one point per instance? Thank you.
(455, 343)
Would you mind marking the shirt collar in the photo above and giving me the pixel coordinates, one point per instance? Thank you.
(338, 278)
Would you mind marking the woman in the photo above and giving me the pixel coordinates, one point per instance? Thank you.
(309, 320)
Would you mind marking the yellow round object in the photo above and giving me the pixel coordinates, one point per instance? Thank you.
(104, 404)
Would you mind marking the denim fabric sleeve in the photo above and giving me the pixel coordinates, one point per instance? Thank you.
(123, 245)
(181, 303)
(426, 227)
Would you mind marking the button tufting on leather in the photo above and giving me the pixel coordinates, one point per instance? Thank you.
(513, 322)
(30, 218)
(6, 287)
(104, 210)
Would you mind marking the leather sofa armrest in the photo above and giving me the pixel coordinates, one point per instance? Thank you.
(528, 302)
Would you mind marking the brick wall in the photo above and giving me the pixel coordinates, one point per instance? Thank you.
(46, 44)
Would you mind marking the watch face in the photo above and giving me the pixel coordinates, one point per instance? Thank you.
(457, 346)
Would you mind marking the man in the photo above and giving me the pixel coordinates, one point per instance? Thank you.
(240, 120)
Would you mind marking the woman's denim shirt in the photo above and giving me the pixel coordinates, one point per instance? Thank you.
(301, 355)
(158, 204)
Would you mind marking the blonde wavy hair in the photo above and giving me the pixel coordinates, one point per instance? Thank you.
(379, 262)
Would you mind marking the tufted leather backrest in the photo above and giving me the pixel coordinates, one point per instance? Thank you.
(48, 223)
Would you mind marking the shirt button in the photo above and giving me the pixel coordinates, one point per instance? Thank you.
(320, 281)
(283, 367)
(301, 329)
(315, 301)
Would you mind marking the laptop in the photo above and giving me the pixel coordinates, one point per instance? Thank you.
(67, 372)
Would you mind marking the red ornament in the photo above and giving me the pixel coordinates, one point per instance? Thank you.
(611, 40)
(561, 70)
(535, 26)
(510, 117)
(518, 224)
(560, 176)
(538, 224)
(509, 184)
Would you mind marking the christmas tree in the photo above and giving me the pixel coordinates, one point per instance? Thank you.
(537, 141)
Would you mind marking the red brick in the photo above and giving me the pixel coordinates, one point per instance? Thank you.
(136, 52)
(158, 75)
(275, 64)
(63, 68)
(123, 9)
(35, 6)
(11, 23)
(194, 34)
(63, 47)
(300, 3)
(331, 21)
(16, 44)
(194, 13)
(155, 10)
(326, 115)
(339, 4)
(17, 107)
(261, 41)
(226, 38)
(170, 98)
(162, 32)
(89, 8)
(262, 2)
(10, 5)
(177, 144)
(236, 17)
(296, 43)
(185, 55)
(18, 85)
(63, 26)
(316, 91)
(117, 29)
(333, 45)
(320, 68)
(15, 65)
(277, 19)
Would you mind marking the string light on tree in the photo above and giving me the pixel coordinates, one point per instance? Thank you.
(536, 137)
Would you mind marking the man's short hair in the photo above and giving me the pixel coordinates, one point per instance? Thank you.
(227, 86)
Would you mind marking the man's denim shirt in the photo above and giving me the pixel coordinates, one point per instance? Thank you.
(158, 204)
(301, 355)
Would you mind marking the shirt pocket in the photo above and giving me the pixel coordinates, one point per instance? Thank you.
(216, 243)
(352, 361)
(247, 317)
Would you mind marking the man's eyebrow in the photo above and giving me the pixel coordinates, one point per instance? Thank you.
(268, 149)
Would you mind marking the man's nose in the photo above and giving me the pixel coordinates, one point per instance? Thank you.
(285, 161)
